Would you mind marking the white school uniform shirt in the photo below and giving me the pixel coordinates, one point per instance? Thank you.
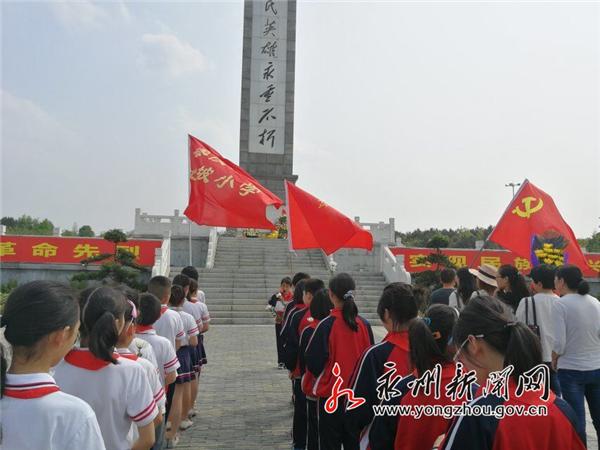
(189, 325)
(194, 310)
(144, 349)
(170, 326)
(119, 393)
(164, 351)
(204, 312)
(156, 385)
(50, 419)
(544, 304)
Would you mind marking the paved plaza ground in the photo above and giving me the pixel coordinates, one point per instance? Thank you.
(244, 401)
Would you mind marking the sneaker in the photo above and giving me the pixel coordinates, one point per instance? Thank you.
(281, 366)
(185, 424)
(172, 443)
(193, 413)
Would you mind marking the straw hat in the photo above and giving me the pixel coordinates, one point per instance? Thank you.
(486, 273)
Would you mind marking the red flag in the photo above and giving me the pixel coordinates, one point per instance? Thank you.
(223, 194)
(533, 228)
(314, 224)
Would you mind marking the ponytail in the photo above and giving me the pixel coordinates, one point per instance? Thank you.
(33, 311)
(103, 337)
(583, 288)
(350, 311)
(342, 286)
(429, 337)
(520, 337)
(99, 329)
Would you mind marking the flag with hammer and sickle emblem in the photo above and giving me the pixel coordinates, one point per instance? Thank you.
(315, 224)
(533, 228)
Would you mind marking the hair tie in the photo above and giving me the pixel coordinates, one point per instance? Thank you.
(510, 324)
(349, 295)
(427, 320)
(134, 309)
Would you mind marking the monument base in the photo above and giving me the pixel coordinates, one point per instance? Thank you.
(277, 184)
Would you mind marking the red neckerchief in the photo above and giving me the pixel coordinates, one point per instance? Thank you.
(126, 353)
(84, 359)
(287, 296)
(142, 328)
(30, 390)
(399, 339)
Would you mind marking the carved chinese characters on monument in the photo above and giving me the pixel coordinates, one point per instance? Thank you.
(268, 77)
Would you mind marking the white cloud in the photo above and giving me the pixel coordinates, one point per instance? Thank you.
(168, 54)
(88, 14)
(25, 123)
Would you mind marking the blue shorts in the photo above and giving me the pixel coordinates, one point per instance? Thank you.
(184, 373)
(194, 359)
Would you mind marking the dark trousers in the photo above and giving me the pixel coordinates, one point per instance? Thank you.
(312, 433)
(332, 431)
(554, 383)
(279, 343)
(299, 422)
(578, 386)
(170, 392)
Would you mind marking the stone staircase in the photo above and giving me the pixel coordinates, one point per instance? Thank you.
(248, 271)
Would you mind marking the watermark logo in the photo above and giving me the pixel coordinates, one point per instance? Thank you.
(331, 405)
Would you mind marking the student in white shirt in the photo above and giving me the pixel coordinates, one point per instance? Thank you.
(125, 339)
(203, 322)
(169, 324)
(41, 321)
(116, 388)
(185, 372)
(195, 311)
(168, 363)
(536, 312)
(576, 349)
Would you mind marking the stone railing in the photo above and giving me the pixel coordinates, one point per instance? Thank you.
(384, 233)
(393, 266)
(162, 257)
(213, 239)
(158, 225)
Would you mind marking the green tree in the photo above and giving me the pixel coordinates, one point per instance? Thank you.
(67, 233)
(86, 231)
(119, 266)
(28, 225)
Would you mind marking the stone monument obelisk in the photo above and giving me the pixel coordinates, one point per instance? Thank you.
(267, 113)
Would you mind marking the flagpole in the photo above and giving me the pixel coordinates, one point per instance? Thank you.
(189, 192)
(487, 239)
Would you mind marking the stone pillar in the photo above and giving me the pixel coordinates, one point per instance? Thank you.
(267, 109)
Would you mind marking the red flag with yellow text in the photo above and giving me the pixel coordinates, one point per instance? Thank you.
(533, 228)
(223, 194)
(314, 224)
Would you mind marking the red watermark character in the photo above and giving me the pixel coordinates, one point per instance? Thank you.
(331, 404)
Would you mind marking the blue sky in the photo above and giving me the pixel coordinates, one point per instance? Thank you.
(420, 112)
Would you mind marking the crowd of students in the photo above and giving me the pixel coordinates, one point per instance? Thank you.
(481, 321)
(106, 368)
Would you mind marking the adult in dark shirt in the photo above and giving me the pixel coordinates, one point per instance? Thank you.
(441, 295)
